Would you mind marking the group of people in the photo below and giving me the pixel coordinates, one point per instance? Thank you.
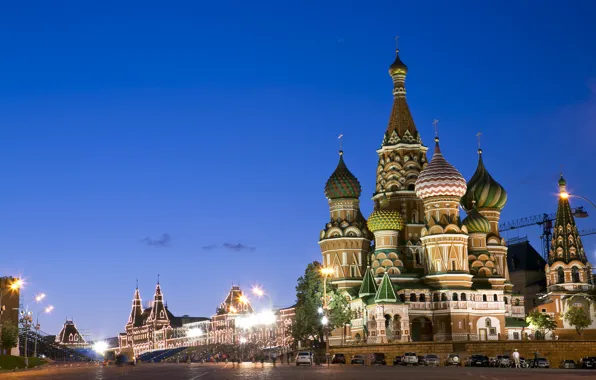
(517, 361)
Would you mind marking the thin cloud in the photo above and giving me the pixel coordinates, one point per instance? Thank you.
(237, 247)
(163, 241)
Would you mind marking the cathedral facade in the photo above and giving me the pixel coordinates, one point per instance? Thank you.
(414, 271)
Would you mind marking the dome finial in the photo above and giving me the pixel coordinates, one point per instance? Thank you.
(340, 137)
(398, 68)
(478, 135)
(396, 43)
(436, 126)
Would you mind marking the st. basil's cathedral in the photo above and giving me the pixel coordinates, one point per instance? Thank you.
(414, 271)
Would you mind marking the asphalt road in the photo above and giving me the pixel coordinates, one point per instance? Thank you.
(248, 371)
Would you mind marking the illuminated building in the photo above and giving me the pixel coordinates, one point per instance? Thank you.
(70, 336)
(427, 275)
(234, 322)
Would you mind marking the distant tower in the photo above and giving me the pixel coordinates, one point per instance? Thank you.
(158, 316)
(445, 239)
(568, 268)
(485, 196)
(401, 159)
(345, 241)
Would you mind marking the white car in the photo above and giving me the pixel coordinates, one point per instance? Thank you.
(409, 358)
(304, 357)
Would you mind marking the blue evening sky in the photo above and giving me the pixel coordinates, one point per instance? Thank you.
(216, 123)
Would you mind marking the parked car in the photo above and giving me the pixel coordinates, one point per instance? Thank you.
(304, 357)
(358, 359)
(409, 358)
(540, 363)
(567, 364)
(453, 359)
(477, 361)
(379, 358)
(397, 360)
(503, 361)
(430, 359)
(492, 362)
(589, 362)
(522, 363)
(338, 359)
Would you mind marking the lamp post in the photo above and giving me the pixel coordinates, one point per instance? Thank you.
(26, 321)
(326, 272)
(566, 195)
(47, 310)
(260, 293)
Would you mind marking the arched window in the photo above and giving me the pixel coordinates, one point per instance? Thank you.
(412, 297)
(414, 214)
(506, 300)
(495, 298)
(443, 296)
(421, 297)
(560, 276)
(454, 297)
(575, 274)
(436, 297)
(402, 298)
(517, 302)
(463, 297)
(484, 298)
(487, 322)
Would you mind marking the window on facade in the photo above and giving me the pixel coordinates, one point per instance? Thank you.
(417, 258)
(484, 298)
(412, 297)
(402, 298)
(454, 296)
(544, 310)
(443, 296)
(506, 300)
(492, 331)
(516, 335)
(560, 276)
(460, 324)
(463, 297)
(495, 298)
(452, 265)
(575, 274)
(344, 258)
(422, 297)
(487, 322)
(436, 297)
(516, 302)
(353, 271)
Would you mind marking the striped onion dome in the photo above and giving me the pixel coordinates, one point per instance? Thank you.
(381, 220)
(440, 178)
(475, 222)
(483, 191)
(342, 183)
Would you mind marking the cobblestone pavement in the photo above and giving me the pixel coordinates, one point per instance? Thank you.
(249, 371)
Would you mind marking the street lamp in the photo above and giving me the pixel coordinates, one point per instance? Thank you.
(326, 272)
(260, 293)
(26, 321)
(47, 310)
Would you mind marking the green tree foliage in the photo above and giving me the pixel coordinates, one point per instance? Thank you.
(579, 318)
(309, 298)
(542, 323)
(10, 333)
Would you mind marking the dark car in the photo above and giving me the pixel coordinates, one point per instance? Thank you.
(567, 364)
(397, 360)
(358, 359)
(540, 363)
(378, 358)
(588, 362)
(430, 359)
(477, 361)
(338, 359)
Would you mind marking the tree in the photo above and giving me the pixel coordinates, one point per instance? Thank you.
(541, 323)
(579, 318)
(309, 298)
(10, 334)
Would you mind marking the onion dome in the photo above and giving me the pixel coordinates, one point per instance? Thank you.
(483, 190)
(562, 181)
(342, 183)
(381, 220)
(440, 178)
(397, 67)
(476, 222)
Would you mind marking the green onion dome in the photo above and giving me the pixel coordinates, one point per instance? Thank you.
(342, 183)
(398, 67)
(381, 220)
(562, 181)
(475, 222)
(483, 190)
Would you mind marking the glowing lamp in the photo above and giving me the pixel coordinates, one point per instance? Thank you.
(16, 285)
(324, 320)
(242, 340)
(327, 271)
(564, 195)
(258, 291)
(100, 347)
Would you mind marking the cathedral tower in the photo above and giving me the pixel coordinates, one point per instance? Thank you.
(345, 241)
(445, 239)
(136, 314)
(568, 267)
(401, 159)
(485, 197)
(158, 316)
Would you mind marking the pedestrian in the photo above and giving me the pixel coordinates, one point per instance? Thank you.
(516, 358)
(535, 364)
